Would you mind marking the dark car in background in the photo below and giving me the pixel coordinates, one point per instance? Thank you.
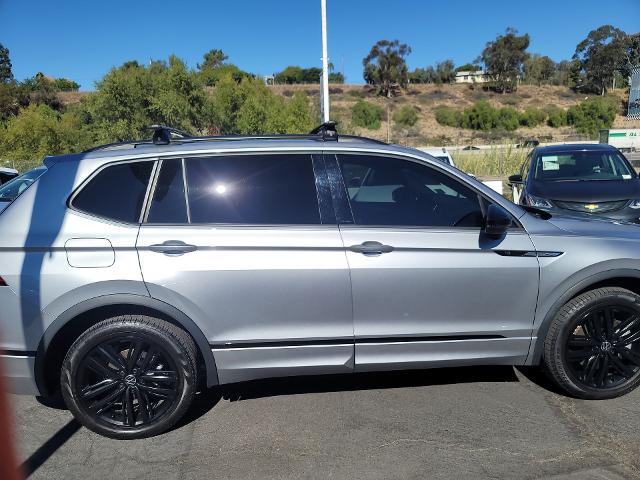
(584, 178)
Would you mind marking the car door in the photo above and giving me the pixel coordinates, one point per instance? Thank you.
(429, 287)
(246, 246)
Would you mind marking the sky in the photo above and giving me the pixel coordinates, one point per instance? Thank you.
(82, 40)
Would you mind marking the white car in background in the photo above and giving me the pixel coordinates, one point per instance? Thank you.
(444, 156)
(440, 154)
(7, 174)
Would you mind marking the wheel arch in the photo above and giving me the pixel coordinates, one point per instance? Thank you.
(66, 328)
(624, 278)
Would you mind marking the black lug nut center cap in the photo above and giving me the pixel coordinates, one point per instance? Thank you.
(130, 380)
(606, 346)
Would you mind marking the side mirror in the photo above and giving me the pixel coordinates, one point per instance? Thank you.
(515, 179)
(497, 221)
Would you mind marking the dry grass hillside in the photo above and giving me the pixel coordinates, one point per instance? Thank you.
(427, 98)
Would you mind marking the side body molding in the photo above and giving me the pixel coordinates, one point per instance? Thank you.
(126, 299)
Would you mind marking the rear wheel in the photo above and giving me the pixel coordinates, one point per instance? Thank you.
(130, 376)
(592, 349)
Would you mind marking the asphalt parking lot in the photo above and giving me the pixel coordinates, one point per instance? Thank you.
(480, 422)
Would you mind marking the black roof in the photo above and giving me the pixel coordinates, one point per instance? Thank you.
(575, 147)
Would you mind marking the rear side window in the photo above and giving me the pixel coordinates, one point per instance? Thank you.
(117, 192)
(252, 189)
(169, 203)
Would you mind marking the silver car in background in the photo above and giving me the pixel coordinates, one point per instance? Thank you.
(134, 275)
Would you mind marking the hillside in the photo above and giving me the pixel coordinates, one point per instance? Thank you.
(427, 98)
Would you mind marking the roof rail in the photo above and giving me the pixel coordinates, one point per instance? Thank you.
(164, 135)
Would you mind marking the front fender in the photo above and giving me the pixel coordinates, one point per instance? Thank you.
(578, 282)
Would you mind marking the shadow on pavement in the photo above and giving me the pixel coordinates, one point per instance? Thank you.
(47, 449)
(367, 381)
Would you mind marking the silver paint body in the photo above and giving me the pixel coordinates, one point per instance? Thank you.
(264, 301)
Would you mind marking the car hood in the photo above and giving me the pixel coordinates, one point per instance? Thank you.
(591, 226)
(587, 190)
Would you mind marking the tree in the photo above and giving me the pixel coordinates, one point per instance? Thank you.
(445, 72)
(503, 59)
(538, 70)
(386, 68)
(294, 74)
(132, 97)
(604, 51)
(213, 59)
(6, 75)
(468, 67)
(336, 77)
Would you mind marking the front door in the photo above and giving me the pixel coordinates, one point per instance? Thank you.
(429, 288)
(250, 256)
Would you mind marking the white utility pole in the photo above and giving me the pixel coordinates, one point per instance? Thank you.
(324, 97)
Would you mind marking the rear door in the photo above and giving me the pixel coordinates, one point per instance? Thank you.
(429, 288)
(248, 247)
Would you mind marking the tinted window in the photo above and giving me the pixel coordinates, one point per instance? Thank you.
(264, 189)
(117, 192)
(387, 191)
(169, 203)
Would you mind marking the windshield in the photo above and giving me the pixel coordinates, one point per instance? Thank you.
(11, 190)
(582, 165)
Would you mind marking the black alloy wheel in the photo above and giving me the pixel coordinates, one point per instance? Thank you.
(130, 376)
(127, 381)
(603, 351)
(592, 346)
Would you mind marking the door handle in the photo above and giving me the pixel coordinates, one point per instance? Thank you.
(371, 249)
(173, 248)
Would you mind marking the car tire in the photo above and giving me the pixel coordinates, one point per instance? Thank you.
(130, 376)
(592, 347)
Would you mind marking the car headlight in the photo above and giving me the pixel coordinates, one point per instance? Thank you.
(634, 204)
(538, 202)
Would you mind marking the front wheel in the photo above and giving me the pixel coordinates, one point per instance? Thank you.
(130, 376)
(592, 348)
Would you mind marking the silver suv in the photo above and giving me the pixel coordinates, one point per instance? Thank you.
(134, 275)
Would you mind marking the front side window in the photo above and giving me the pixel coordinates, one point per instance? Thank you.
(117, 192)
(389, 191)
(252, 189)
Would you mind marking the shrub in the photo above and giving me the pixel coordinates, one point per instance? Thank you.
(532, 117)
(366, 115)
(448, 116)
(507, 119)
(556, 117)
(593, 114)
(38, 130)
(406, 116)
(480, 116)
